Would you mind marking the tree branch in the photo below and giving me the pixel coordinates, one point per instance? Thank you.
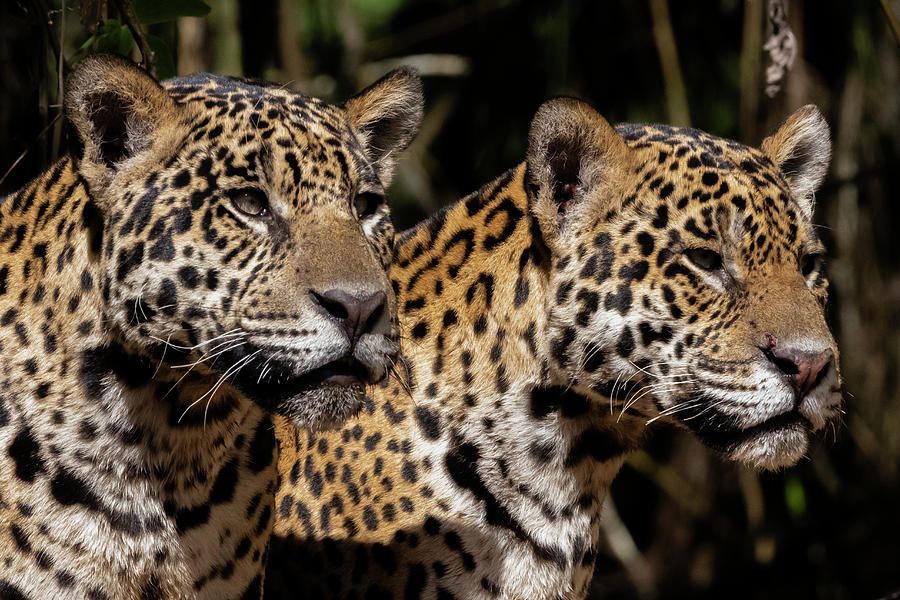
(148, 57)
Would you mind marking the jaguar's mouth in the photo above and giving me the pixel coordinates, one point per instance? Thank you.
(323, 398)
(777, 442)
(727, 440)
(346, 371)
(273, 385)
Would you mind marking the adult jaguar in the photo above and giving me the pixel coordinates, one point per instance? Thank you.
(618, 276)
(215, 254)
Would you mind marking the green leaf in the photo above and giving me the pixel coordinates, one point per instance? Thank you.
(165, 64)
(109, 26)
(87, 44)
(150, 12)
(114, 38)
(795, 497)
(126, 41)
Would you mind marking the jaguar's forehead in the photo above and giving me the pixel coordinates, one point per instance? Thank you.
(257, 94)
(720, 183)
(314, 128)
(694, 149)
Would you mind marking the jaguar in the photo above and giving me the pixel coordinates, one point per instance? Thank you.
(620, 278)
(213, 253)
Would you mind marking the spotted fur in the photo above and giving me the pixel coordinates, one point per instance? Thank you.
(618, 277)
(162, 294)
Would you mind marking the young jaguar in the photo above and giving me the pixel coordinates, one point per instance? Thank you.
(214, 254)
(618, 277)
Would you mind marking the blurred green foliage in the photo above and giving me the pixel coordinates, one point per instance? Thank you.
(112, 37)
(165, 61)
(795, 496)
(151, 12)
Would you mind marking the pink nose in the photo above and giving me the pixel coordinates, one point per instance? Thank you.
(804, 369)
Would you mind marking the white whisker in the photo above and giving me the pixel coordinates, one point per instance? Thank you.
(195, 364)
(211, 392)
(230, 333)
(243, 363)
(211, 353)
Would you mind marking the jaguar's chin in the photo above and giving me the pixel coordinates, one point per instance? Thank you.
(773, 444)
(324, 407)
(772, 450)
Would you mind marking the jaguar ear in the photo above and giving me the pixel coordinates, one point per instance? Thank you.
(386, 117)
(572, 151)
(116, 107)
(801, 148)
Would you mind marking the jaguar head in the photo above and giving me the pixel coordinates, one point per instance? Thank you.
(687, 276)
(241, 228)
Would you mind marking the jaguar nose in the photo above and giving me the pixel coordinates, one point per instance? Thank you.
(355, 315)
(804, 369)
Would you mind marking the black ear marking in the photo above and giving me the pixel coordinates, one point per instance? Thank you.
(794, 162)
(110, 121)
(565, 166)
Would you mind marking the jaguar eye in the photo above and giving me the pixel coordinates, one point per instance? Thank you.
(809, 263)
(704, 258)
(250, 201)
(367, 203)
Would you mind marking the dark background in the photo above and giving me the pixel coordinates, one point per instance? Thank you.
(681, 522)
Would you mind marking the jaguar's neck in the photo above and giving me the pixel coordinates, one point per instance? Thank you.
(534, 460)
